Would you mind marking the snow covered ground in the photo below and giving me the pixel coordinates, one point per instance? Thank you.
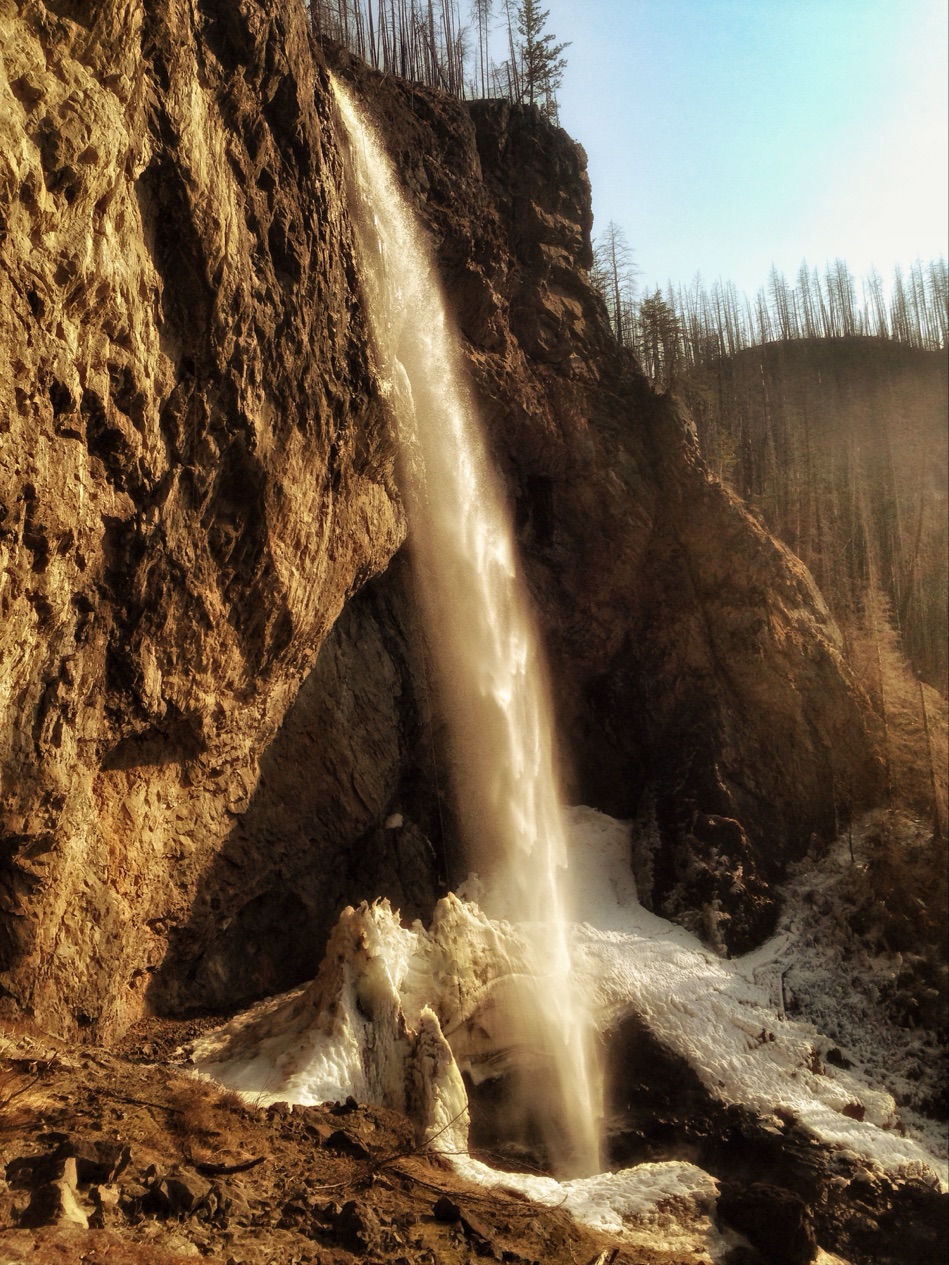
(396, 1014)
(728, 1019)
(824, 973)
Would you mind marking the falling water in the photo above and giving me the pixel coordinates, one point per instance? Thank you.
(491, 678)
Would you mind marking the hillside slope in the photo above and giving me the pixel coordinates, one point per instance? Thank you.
(843, 445)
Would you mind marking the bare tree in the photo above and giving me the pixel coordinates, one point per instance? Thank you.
(482, 10)
(615, 276)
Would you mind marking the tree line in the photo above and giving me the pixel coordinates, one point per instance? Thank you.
(823, 402)
(840, 445)
(691, 326)
(438, 43)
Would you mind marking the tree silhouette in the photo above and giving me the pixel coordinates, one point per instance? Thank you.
(614, 276)
(658, 342)
(481, 11)
(541, 59)
(430, 41)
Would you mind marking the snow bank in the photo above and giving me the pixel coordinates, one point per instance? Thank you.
(397, 1014)
(725, 1018)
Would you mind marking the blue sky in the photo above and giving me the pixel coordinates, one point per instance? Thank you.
(724, 135)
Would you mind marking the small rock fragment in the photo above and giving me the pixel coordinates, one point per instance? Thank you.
(446, 1209)
(344, 1144)
(54, 1203)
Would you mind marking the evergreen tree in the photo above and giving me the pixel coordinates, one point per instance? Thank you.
(659, 332)
(541, 59)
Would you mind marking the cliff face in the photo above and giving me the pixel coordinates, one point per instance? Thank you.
(194, 474)
(697, 670)
(196, 479)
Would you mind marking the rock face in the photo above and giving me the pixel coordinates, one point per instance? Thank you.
(321, 830)
(196, 479)
(194, 474)
(697, 671)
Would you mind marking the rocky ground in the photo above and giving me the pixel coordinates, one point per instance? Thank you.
(115, 1159)
(122, 1157)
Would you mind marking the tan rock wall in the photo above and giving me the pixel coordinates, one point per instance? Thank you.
(193, 475)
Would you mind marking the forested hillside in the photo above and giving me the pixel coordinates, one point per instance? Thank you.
(840, 443)
(823, 403)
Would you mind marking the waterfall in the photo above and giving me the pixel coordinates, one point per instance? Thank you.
(491, 677)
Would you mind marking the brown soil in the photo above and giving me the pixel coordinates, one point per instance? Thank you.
(167, 1169)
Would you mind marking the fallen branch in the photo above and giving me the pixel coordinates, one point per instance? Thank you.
(141, 1102)
(210, 1169)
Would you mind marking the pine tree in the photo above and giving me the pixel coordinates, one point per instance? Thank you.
(659, 334)
(541, 59)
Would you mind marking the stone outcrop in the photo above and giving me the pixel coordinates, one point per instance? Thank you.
(196, 485)
(193, 472)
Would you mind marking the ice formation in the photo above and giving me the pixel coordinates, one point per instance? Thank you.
(401, 1016)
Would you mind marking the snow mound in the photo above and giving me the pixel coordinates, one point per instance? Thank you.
(401, 1015)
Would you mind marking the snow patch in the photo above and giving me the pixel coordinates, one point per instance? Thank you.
(666, 1205)
(396, 1015)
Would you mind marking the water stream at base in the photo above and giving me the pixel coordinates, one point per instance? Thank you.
(492, 680)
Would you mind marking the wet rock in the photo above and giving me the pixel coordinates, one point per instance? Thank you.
(56, 1202)
(775, 1221)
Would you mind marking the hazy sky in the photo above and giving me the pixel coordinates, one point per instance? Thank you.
(726, 134)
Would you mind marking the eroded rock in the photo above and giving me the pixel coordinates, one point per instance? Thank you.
(194, 472)
(197, 478)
